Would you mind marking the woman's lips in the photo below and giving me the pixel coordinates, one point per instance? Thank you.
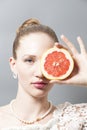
(39, 85)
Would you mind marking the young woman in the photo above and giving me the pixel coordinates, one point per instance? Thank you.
(31, 110)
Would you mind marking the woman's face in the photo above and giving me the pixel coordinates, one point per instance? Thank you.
(27, 64)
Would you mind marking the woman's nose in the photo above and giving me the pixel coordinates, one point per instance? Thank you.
(38, 72)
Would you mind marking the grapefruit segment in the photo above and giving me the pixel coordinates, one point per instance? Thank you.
(57, 63)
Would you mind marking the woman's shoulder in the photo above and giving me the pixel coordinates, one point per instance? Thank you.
(68, 107)
(71, 111)
(71, 115)
(69, 104)
(3, 111)
(80, 107)
(68, 111)
(4, 115)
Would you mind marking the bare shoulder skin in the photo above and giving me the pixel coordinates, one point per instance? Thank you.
(6, 117)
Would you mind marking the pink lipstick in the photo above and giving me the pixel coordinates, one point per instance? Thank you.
(39, 85)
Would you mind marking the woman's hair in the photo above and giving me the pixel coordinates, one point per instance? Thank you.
(31, 26)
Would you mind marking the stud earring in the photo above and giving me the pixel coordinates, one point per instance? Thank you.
(14, 76)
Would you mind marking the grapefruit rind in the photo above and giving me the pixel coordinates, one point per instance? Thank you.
(67, 55)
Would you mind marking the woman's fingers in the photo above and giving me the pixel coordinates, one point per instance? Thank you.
(81, 44)
(69, 44)
(58, 45)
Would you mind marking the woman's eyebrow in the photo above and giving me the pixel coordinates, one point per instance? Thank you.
(29, 55)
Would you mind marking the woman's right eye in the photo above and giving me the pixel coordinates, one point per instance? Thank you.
(29, 60)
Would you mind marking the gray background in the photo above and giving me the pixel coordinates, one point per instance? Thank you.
(67, 17)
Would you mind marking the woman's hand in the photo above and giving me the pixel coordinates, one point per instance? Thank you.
(79, 74)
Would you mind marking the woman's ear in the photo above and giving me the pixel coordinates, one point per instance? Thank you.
(12, 63)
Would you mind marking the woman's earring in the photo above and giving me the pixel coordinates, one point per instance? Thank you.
(14, 76)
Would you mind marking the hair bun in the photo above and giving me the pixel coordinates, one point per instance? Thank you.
(28, 23)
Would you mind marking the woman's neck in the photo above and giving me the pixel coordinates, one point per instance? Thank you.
(29, 107)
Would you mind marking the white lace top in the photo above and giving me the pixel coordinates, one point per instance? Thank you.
(66, 117)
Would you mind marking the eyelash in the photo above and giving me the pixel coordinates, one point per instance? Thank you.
(29, 61)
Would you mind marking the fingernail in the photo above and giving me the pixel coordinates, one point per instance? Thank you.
(62, 36)
(78, 38)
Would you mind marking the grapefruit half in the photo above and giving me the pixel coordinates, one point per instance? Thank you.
(57, 63)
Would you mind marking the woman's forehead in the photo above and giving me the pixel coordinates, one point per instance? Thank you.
(35, 44)
(36, 41)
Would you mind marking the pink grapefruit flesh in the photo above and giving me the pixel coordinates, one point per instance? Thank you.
(57, 64)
